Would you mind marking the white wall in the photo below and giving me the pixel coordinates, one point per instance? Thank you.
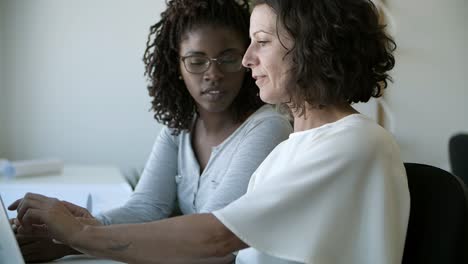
(430, 93)
(2, 86)
(75, 86)
(74, 80)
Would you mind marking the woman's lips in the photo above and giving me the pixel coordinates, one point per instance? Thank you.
(260, 79)
(213, 94)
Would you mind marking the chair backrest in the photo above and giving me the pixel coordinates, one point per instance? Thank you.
(458, 154)
(438, 224)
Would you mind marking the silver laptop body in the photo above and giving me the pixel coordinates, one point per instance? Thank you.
(9, 250)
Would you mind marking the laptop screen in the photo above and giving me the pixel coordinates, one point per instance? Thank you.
(9, 249)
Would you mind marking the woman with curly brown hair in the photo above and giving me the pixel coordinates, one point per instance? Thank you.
(335, 192)
(217, 130)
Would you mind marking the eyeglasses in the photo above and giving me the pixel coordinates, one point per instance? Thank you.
(227, 63)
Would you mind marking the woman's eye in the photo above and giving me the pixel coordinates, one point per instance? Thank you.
(227, 59)
(197, 61)
(262, 43)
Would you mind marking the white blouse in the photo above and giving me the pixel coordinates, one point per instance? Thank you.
(336, 194)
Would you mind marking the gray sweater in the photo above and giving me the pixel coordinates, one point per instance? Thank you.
(172, 173)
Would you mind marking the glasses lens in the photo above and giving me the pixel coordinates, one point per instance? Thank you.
(196, 64)
(230, 62)
(226, 63)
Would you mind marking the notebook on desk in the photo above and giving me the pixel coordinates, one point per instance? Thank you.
(9, 250)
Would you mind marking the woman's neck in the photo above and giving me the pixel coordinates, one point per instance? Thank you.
(213, 123)
(315, 117)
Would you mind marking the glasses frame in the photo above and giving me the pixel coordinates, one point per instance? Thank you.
(210, 62)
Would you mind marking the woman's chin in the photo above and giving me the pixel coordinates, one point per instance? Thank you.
(269, 99)
(264, 97)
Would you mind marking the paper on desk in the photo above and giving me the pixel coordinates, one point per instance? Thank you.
(103, 197)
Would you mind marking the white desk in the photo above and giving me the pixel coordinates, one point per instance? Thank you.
(105, 185)
(73, 174)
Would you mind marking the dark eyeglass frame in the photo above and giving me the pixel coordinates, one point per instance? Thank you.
(210, 61)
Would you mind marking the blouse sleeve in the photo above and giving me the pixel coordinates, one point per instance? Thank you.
(155, 194)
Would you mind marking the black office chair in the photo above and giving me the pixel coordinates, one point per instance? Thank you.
(458, 154)
(438, 223)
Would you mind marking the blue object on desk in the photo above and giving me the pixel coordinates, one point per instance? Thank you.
(7, 169)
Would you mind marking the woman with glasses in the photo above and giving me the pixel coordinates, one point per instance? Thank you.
(216, 129)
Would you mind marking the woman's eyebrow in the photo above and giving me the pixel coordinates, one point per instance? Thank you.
(193, 52)
(199, 53)
(261, 31)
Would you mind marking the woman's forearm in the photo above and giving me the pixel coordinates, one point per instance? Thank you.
(182, 238)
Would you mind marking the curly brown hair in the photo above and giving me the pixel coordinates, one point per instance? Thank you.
(341, 52)
(172, 104)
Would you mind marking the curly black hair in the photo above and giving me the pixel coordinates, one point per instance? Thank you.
(172, 104)
(341, 52)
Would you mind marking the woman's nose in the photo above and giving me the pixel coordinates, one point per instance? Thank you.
(213, 72)
(248, 59)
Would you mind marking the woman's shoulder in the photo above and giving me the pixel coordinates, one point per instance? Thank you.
(356, 133)
(364, 130)
(268, 114)
(267, 122)
(168, 134)
(356, 127)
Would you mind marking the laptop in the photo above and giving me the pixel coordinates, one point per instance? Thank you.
(10, 252)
